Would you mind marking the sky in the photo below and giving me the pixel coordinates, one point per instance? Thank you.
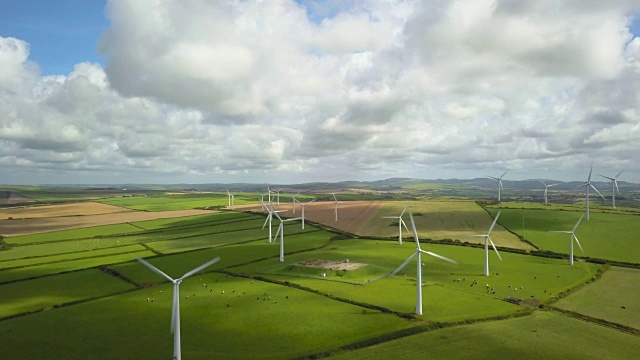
(148, 91)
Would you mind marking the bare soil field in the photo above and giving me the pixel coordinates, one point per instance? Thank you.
(352, 215)
(48, 211)
(331, 265)
(19, 227)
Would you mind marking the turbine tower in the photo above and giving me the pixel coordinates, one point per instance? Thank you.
(499, 182)
(614, 185)
(228, 197)
(281, 232)
(401, 223)
(335, 210)
(175, 310)
(572, 236)
(418, 253)
(278, 195)
(546, 187)
(588, 185)
(270, 217)
(488, 240)
(303, 205)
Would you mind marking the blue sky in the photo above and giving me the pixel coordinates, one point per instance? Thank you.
(61, 33)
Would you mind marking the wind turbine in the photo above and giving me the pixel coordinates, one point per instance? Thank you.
(269, 192)
(228, 197)
(546, 187)
(588, 184)
(175, 309)
(614, 186)
(418, 253)
(303, 205)
(335, 210)
(270, 217)
(278, 193)
(571, 238)
(488, 240)
(262, 202)
(281, 232)
(499, 182)
(400, 223)
(232, 200)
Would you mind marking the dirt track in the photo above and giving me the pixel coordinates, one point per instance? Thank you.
(352, 215)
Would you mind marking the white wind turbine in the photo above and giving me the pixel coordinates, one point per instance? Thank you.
(588, 185)
(175, 309)
(614, 186)
(228, 197)
(303, 205)
(262, 202)
(572, 236)
(488, 240)
(546, 187)
(418, 253)
(293, 200)
(400, 223)
(278, 195)
(499, 182)
(233, 207)
(281, 232)
(270, 217)
(335, 210)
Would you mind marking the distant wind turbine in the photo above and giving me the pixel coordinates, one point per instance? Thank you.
(270, 217)
(499, 182)
(588, 185)
(418, 253)
(281, 232)
(572, 236)
(488, 240)
(546, 187)
(335, 210)
(303, 205)
(278, 194)
(228, 197)
(175, 309)
(614, 185)
(400, 223)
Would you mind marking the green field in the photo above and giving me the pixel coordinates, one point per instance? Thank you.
(615, 298)
(542, 335)
(179, 201)
(438, 220)
(605, 236)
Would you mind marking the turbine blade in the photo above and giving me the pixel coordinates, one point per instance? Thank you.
(404, 224)
(552, 185)
(560, 232)
(578, 223)
(543, 183)
(606, 177)
(578, 242)
(615, 182)
(276, 214)
(594, 188)
(494, 223)
(403, 264)
(415, 232)
(494, 248)
(390, 217)
(620, 173)
(278, 232)
(590, 171)
(154, 269)
(199, 268)
(403, 210)
(439, 256)
(174, 307)
(505, 173)
(266, 221)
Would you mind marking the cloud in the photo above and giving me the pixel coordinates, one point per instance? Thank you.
(285, 90)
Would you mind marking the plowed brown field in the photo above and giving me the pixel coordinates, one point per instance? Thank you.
(35, 220)
(352, 215)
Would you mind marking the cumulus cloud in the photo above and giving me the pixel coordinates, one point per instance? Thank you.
(296, 91)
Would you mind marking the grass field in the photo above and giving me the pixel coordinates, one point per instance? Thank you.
(128, 326)
(605, 236)
(179, 201)
(615, 297)
(250, 304)
(52, 291)
(439, 220)
(542, 335)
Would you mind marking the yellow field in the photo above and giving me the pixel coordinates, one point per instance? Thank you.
(440, 220)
